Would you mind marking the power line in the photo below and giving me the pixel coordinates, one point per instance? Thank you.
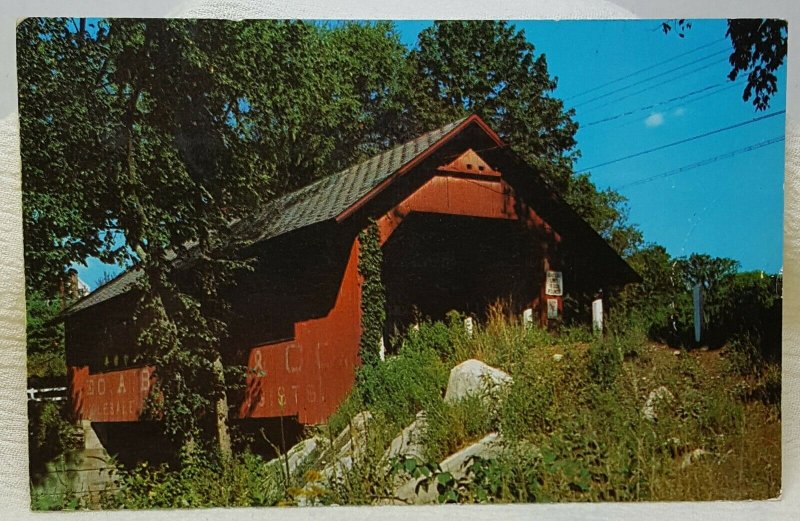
(648, 68)
(650, 87)
(713, 88)
(704, 162)
(653, 77)
(686, 140)
(739, 82)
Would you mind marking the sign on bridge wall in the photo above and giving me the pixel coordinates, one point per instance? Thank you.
(311, 374)
(113, 396)
(554, 284)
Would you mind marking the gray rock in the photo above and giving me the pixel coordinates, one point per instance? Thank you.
(348, 446)
(691, 457)
(488, 447)
(409, 442)
(474, 378)
(656, 397)
(300, 455)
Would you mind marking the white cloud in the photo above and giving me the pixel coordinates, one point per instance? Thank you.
(654, 120)
(680, 111)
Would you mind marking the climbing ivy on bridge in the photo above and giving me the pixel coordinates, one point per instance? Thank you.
(373, 294)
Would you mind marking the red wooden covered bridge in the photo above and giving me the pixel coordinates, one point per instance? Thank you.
(463, 222)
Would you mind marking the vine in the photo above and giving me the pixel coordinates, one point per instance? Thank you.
(373, 294)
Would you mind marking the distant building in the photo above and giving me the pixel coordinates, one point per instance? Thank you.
(463, 222)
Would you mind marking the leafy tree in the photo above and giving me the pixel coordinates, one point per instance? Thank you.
(733, 303)
(162, 133)
(46, 356)
(159, 157)
(488, 67)
(374, 68)
(61, 124)
(710, 272)
(759, 49)
(320, 98)
(653, 302)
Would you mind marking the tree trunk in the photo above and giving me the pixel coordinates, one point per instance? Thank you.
(223, 434)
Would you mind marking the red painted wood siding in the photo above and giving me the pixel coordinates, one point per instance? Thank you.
(490, 198)
(311, 374)
(110, 396)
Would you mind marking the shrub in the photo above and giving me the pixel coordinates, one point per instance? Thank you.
(50, 434)
(769, 385)
(352, 405)
(436, 337)
(503, 342)
(605, 361)
(630, 337)
(526, 408)
(451, 426)
(200, 481)
(404, 384)
(743, 355)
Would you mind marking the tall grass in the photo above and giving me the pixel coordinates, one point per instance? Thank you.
(572, 426)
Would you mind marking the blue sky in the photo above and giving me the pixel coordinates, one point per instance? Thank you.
(728, 208)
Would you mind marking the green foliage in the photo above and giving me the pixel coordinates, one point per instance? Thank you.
(568, 441)
(404, 384)
(373, 295)
(199, 482)
(344, 413)
(652, 302)
(43, 500)
(439, 337)
(769, 385)
(528, 406)
(317, 98)
(743, 356)
(510, 476)
(375, 74)
(50, 434)
(734, 303)
(451, 426)
(759, 49)
(605, 361)
(488, 67)
(501, 342)
(45, 340)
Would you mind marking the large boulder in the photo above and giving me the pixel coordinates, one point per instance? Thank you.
(300, 456)
(410, 441)
(474, 378)
(456, 464)
(350, 444)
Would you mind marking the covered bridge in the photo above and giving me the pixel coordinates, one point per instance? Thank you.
(462, 221)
